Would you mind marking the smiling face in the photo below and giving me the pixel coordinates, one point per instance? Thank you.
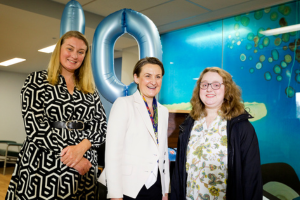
(72, 53)
(149, 80)
(212, 99)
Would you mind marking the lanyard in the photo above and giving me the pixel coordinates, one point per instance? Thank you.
(154, 118)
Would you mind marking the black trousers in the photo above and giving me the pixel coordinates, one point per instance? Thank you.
(153, 193)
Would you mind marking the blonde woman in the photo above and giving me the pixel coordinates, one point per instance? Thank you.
(218, 154)
(65, 122)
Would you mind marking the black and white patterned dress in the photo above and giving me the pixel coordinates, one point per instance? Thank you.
(39, 173)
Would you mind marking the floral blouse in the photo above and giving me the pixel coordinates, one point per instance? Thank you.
(206, 163)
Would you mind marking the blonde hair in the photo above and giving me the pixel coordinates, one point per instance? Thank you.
(84, 79)
(232, 105)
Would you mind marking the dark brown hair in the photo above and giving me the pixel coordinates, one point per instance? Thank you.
(147, 60)
(232, 105)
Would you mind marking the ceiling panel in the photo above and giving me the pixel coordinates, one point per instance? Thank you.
(173, 11)
(82, 2)
(29, 25)
(106, 7)
(29, 33)
(217, 4)
(220, 14)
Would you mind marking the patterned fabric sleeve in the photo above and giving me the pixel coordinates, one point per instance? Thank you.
(35, 121)
(98, 133)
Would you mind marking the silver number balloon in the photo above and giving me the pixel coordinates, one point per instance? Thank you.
(72, 18)
(105, 36)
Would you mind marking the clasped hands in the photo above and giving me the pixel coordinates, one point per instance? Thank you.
(72, 156)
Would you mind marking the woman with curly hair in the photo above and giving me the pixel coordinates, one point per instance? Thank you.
(217, 151)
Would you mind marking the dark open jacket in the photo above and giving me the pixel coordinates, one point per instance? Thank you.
(244, 173)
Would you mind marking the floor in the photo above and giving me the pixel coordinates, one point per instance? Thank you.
(4, 180)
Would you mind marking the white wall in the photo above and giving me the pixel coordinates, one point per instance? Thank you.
(11, 122)
(130, 56)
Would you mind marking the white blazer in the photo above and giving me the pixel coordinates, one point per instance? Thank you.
(131, 148)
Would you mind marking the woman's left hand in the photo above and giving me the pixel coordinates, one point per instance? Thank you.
(71, 155)
(165, 197)
(83, 166)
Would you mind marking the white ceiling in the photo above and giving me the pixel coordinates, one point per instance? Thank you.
(29, 25)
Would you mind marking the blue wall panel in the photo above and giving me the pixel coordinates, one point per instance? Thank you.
(185, 53)
(265, 67)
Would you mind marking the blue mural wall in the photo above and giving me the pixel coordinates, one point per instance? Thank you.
(265, 67)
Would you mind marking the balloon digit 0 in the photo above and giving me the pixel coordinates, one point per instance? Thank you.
(106, 34)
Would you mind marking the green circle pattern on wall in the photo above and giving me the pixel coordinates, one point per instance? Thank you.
(268, 46)
(268, 76)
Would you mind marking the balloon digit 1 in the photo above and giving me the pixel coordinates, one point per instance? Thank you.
(72, 18)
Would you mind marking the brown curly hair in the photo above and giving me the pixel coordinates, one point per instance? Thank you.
(232, 105)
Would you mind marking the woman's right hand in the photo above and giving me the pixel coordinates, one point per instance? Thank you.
(83, 166)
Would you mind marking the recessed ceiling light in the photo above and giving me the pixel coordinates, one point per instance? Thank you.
(277, 31)
(49, 49)
(12, 61)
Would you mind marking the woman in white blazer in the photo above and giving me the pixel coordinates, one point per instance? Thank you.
(136, 154)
